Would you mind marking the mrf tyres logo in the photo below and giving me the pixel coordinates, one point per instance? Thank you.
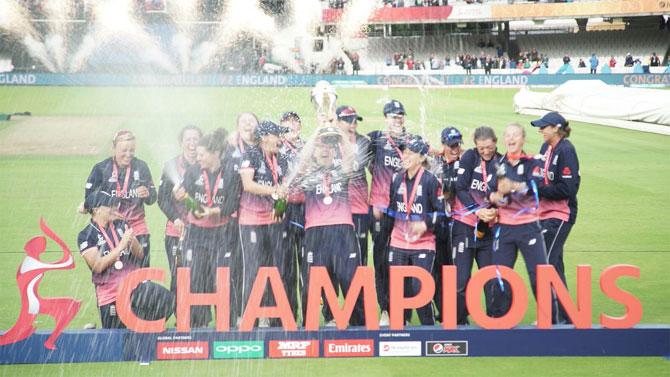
(182, 350)
(293, 348)
(349, 348)
(447, 348)
(239, 350)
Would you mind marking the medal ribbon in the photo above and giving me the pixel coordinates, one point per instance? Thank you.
(326, 184)
(115, 172)
(273, 168)
(547, 156)
(108, 240)
(484, 175)
(408, 204)
(395, 146)
(240, 143)
(208, 189)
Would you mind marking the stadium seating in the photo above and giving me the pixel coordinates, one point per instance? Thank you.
(640, 43)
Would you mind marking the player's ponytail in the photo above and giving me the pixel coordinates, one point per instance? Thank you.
(564, 130)
(216, 141)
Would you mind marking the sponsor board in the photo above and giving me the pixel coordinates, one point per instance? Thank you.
(349, 348)
(293, 348)
(182, 350)
(400, 348)
(447, 348)
(238, 350)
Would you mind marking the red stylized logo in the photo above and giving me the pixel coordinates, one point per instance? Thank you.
(349, 348)
(28, 277)
(294, 348)
(182, 350)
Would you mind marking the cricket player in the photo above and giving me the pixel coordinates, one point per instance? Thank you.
(214, 187)
(128, 178)
(473, 215)
(386, 157)
(415, 202)
(263, 233)
(172, 176)
(330, 239)
(558, 191)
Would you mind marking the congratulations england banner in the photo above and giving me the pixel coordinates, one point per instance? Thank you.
(512, 80)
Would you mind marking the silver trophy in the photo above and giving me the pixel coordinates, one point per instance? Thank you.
(324, 99)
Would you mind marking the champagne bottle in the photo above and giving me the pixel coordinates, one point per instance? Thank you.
(279, 207)
(193, 206)
(482, 229)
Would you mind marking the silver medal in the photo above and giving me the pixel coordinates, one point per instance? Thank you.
(327, 200)
(118, 265)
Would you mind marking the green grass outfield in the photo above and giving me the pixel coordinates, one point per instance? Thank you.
(623, 208)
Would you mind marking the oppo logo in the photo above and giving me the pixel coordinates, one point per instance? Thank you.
(238, 349)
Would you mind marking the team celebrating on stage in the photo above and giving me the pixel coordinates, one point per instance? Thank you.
(264, 196)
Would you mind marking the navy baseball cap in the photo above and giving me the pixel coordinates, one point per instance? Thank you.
(98, 199)
(416, 144)
(347, 114)
(267, 127)
(290, 115)
(394, 107)
(549, 119)
(451, 136)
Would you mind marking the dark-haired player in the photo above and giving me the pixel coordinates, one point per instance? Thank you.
(472, 239)
(173, 175)
(347, 121)
(263, 232)
(386, 157)
(558, 191)
(447, 165)
(416, 202)
(292, 145)
(128, 178)
(213, 185)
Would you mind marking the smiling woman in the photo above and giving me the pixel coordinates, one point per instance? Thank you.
(127, 178)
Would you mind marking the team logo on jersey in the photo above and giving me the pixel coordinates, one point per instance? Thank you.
(200, 181)
(537, 172)
(519, 170)
(136, 175)
(419, 190)
(478, 169)
(567, 173)
(555, 160)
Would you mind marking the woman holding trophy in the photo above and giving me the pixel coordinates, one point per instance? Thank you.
(330, 239)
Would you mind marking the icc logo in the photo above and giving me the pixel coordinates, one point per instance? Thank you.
(28, 277)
